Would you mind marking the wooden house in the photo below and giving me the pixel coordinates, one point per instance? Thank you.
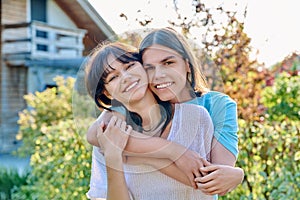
(41, 39)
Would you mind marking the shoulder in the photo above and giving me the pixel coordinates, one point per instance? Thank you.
(189, 107)
(214, 97)
(192, 110)
(119, 109)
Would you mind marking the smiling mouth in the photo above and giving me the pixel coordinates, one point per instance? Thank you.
(163, 85)
(132, 85)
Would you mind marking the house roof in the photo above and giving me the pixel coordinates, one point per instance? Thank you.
(86, 17)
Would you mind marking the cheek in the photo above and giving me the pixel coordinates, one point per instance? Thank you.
(142, 74)
(182, 73)
(178, 73)
(150, 75)
(111, 91)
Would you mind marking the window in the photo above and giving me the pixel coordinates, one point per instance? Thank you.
(38, 10)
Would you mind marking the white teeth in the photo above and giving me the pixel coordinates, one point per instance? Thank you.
(131, 86)
(164, 85)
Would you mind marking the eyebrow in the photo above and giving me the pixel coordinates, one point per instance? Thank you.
(167, 58)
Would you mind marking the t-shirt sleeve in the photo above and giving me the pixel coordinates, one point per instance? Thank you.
(223, 111)
(119, 109)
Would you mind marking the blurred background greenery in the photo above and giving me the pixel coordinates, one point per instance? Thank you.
(268, 101)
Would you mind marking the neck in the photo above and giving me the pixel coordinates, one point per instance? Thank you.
(148, 109)
(186, 95)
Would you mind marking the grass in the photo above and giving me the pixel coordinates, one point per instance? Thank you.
(10, 179)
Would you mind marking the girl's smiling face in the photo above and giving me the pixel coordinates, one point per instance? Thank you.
(125, 82)
(167, 73)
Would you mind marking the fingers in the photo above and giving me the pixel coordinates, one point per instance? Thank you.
(211, 191)
(197, 173)
(206, 182)
(100, 129)
(206, 178)
(205, 162)
(100, 133)
(116, 122)
(123, 125)
(209, 168)
(209, 185)
(101, 125)
(209, 188)
(112, 122)
(191, 179)
(119, 122)
(128, 129)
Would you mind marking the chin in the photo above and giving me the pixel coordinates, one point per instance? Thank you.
(165, 94)
(166, 97)
(137, 95)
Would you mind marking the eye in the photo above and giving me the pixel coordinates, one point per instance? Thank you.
(149, 67)
(111, 78)
(168, 62)
(131, 64)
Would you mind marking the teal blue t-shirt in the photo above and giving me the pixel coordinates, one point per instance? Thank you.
(223, 112)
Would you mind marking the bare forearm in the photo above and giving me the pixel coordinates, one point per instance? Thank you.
(141, 145)
(173, 172)
(155, 147)
(116, 183)
(165, 166)
(221, 155)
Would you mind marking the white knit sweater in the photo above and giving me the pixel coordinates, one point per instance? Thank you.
(192, 128)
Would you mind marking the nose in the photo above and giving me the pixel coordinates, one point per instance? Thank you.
(159, 72)
(125, 76)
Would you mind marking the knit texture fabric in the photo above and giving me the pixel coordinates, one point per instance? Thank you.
(192, 128)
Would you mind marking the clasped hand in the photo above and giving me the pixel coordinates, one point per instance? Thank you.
(113, 137)
(210, 178)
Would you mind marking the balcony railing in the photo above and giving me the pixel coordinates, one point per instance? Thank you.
(38, 40)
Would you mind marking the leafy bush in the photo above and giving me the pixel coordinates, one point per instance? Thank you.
(269, 155)
(283, 98)
(10, 180)
(270, 149)
(45, 109)
(60, 164)
(60, 156)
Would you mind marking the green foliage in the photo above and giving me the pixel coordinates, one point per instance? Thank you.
(60, 155)
(283, 98)
(60, 164)
(269, 144)
(243, 79)
(46, 108)
(270, 149)
(10, 180)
